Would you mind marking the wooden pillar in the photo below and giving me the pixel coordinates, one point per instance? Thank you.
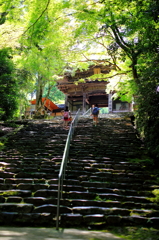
(110, 103)
(84, 102)
(66, 100)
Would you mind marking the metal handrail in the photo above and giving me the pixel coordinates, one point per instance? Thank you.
(87, 112)
(64, 162)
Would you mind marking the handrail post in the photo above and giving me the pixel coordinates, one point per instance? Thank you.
(58, 204)
(61, 175)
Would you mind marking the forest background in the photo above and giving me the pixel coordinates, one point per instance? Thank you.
(40, 40)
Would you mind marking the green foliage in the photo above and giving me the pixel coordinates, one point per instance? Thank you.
(145, 160)
(8, 86)
(1, 146)
(147, 114)
(98, 198)
(136, 233)
(104, 110)
(156, 198)
(54, 94)
(9, 193)
(128, 31)
(47, 36)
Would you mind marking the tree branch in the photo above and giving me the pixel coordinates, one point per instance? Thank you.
(38, 17)
(114, 63)
(97, 61)
(123, 73)
(119, 39)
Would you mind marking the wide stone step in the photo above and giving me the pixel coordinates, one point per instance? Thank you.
(4, 174)
(84, 210)
(16, 192)
(100, 153)
(79, 195)
(50, 208)
(14, 199)
(114, 177)
(32, 187)
(8, 186)
(27, 219)
(123, 143)
(89, 161)
(119, 197)
(117, 185)
(39, 201)
(70, 188)
(47, 193)
(24, 180)
(116, 173)
(21, 208)
(76, 173)
(105, 196)
(111, 204)
(121, 191)
(39, 175)
(109, 220)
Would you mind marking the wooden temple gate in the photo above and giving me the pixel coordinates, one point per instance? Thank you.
(82, 92)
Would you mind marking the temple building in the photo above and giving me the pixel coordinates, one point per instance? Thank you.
(82, 92)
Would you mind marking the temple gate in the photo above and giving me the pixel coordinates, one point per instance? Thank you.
(82, 92)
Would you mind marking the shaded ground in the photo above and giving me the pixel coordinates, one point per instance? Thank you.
(126, 233)
(12, 233)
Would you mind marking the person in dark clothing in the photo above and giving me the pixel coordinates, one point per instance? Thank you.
(95, 113)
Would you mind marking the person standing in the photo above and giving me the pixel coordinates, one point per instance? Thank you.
(66, 117)
(95, 113)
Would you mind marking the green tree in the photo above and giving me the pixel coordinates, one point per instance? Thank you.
(25, 84)
(8, 89)
(127, 32)
(122, 32)
(148, 108)
(45, 43)
(39, 34)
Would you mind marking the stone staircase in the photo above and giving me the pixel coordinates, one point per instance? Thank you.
(29, 167)
(102, 187)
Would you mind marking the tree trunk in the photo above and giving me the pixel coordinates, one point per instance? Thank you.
(134, 69)
(39, 94)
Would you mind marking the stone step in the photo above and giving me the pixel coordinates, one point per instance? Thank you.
(16, 192)
(111, 204)
(46, 193)
(119, 197)
(117, 185)
(79, 195)
(84, 210)
(105, 196)
(32, 187)
(112, 177)
(120, 191)
(27, 219)
(50, 208)
(116, 171)
(39, 175)
(10, 207)
(109, 220)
